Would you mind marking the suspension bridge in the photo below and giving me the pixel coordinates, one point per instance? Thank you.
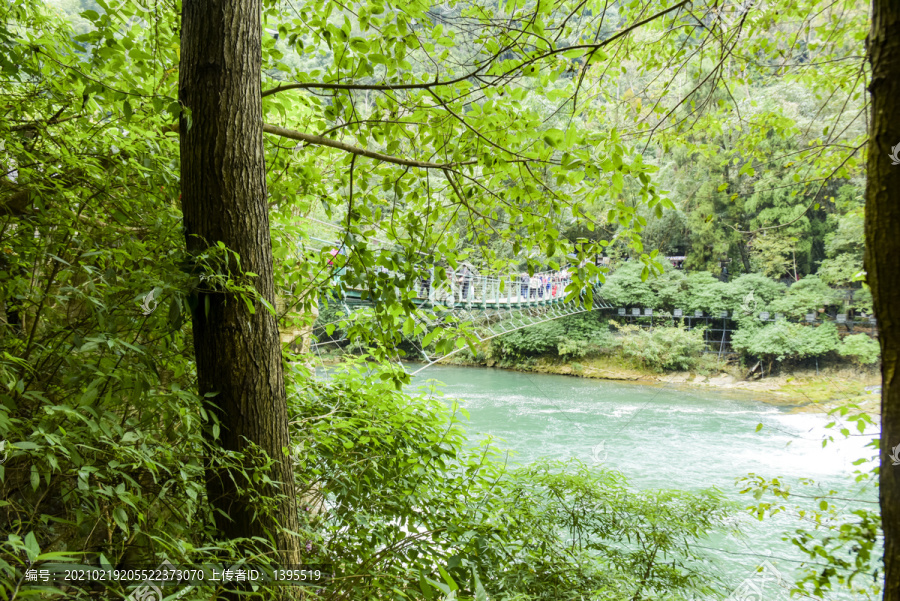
(490, 305)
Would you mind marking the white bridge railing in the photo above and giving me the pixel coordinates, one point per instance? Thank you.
(477, 290)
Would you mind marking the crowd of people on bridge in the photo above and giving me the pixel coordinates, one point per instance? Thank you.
(540, 286)
(550, 284)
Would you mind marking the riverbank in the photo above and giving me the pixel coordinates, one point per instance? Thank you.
(805, 390)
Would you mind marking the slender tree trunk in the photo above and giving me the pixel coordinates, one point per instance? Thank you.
(223, 187)
(745, 256)
(883, 260)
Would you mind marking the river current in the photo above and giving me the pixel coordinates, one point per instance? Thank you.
(666, 437)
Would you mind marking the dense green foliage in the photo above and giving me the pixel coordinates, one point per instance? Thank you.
(512, 134)
(782, 339)
(663, 348)
(744, 296)
(400, 493)
(574, 336)
(861, 348)
(668, 345)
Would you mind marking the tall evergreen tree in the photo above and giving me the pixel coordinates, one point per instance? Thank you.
(883, 261)
(223, 183)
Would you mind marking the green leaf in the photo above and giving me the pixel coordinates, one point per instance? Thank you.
(424, 587)
(450, 582)
(553, 137)
(121, 518)
(598, 55)
(480, 593)
(268, 306)
(32, 549)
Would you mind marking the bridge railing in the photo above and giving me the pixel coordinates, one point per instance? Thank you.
(478, 290)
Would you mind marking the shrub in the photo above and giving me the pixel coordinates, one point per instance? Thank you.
(861, 300)
(672, 289)
(538, 339)
(568, 348)
(840, 270)
(668, 347)
(572, 336)
(784, 340)
(706, 293)
(625, 287)
(806, 296)
(765, 290)
(861, 348)
(587, 326)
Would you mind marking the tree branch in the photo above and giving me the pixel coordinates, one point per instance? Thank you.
(428, 85)
(367, 86)
(322, 141)
(595, 47)
(52, 121)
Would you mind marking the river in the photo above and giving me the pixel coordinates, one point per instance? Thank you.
(666, 437)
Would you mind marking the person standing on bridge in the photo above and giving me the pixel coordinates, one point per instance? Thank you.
(533, 284)
(523, 285)
(465, 278)
(426, 282)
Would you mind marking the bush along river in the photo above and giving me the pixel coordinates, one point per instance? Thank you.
(663, 437)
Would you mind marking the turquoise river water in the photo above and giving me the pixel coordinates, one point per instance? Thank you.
(665, 437)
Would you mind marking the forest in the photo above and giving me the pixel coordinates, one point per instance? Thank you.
(226, 224)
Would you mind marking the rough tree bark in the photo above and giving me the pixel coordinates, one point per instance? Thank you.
(883, 260)
(224, 193)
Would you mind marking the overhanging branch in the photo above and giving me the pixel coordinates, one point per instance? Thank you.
(321, 141)
(367, 86)
(588, 48)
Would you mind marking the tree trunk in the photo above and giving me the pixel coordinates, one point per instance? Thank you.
(224, 194)
(745, 256)
(883, 260)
